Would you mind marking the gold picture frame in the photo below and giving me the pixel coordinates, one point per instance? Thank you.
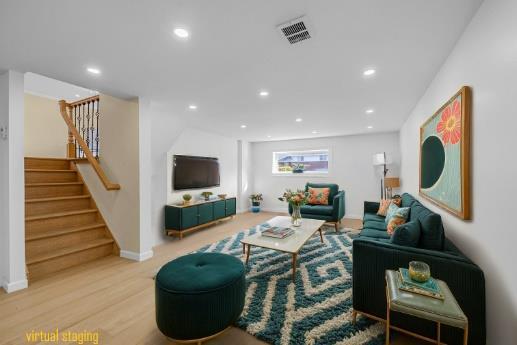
(444, 161)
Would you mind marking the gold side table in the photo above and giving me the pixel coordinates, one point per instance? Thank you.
(446, 311)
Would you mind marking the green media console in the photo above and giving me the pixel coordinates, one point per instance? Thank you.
(182, 219)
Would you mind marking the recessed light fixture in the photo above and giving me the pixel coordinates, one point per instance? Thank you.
(192, 107)
(243, 126)
(370, 127)
(93, 70)
(369, 72)
(299, 119)
(181, 32)
(77, 95)
(369, 111)
(264, 93)
(314, 132)
(269, 136)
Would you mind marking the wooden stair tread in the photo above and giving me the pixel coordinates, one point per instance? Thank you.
(59, 232)
(70, 250)
(61, 214)
(52, 184)
(49, 158)
(50, 170)
(57, 198)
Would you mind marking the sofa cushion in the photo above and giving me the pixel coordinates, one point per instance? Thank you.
(319, 196)
(407, 200)
(407, 234)
(372, 233)
(374, 217)
(372, 224)
(334, 189)
(432, 233)
(317, 209)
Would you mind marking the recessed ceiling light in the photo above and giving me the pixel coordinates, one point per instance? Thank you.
(264, 93)
(369, 111)
(269, 136)
(243, 126)
(299, 119)
(369, 72)
(314, 132)
(77, 95)
(370, 127)
(192, 107)
(181, 33)
(93, 70)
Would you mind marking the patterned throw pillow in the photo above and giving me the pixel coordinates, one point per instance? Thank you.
(396, 216)
(319, 196)
(383, 207)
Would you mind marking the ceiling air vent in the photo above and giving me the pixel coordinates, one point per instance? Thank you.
(295, 30)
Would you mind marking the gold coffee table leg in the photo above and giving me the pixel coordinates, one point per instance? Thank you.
(294, 266)
(466, 335)
(248, 254)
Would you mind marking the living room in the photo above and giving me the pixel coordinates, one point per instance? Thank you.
(148, 156)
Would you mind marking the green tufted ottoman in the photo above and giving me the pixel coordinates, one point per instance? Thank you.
(199, 295)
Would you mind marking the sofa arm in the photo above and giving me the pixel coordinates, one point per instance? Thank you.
(338, 206)
(372, 258)
(371, 206)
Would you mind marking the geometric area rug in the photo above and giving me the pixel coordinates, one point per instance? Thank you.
(317, 309)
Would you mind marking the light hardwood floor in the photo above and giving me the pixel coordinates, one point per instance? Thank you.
(115, 296)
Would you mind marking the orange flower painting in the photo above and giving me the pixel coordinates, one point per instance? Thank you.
(449, 126)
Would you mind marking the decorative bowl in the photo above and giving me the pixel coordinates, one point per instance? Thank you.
(419, 271)
(222, 196)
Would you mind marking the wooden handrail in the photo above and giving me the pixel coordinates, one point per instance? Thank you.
(85, 100)
(63, 106)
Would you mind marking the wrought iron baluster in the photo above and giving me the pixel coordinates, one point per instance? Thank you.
(83, 128)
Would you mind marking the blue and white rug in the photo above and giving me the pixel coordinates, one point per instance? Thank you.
(317, 309)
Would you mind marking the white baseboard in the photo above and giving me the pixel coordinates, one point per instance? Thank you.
(276, 210)
(15, 286)
(136, 256)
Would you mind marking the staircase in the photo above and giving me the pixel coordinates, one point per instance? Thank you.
(63, 226)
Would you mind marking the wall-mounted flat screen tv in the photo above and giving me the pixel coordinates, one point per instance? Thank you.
(191, 172)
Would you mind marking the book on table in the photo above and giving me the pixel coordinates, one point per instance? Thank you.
(277, 232)
(429, 288)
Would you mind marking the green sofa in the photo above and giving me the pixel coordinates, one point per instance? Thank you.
(331, 213)
(374, 253)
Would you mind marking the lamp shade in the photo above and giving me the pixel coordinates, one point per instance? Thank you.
(391, 182)
(379, 159)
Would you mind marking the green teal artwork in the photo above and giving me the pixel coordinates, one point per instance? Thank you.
(444, 156)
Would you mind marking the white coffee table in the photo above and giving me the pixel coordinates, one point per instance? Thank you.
(290, 244)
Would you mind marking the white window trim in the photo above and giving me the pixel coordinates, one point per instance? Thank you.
(311, 174)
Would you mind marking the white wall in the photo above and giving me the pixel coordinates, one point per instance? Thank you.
(119, 157)
(351, 167)
(12, 194)
(245, 175)
(41, 118)
(199, 143)
(484, 58)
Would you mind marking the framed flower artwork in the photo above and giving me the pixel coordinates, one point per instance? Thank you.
(445, 155)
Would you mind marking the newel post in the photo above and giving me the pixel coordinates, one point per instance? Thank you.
(70, 146)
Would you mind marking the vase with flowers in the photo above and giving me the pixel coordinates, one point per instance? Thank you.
(296, 199)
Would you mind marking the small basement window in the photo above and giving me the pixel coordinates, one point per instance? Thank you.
(313, 162)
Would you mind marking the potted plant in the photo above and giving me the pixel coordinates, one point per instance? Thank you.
(256, 199)
(186, 199)
(296, 200)
(206, 195)
(255, 202)
(298, 168)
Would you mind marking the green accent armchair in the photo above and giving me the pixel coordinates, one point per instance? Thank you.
(331, 213)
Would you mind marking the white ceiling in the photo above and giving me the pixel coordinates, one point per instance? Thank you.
(235, 50)
(51, 88)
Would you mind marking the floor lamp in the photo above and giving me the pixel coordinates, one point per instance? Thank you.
(379, 159)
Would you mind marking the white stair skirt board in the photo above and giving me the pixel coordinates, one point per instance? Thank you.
(136, 256)
(15, 286)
